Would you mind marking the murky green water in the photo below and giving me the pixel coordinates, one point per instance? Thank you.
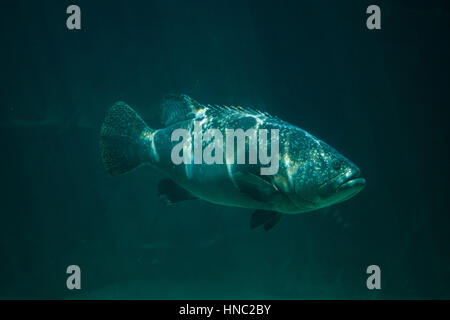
(380, 97)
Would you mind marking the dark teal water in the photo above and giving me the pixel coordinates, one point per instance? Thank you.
(380, 97)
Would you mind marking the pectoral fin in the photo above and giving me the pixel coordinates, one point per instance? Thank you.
(169, 192)
(254, 186)
(266, 218)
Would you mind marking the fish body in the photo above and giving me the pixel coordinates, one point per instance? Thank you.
(309, 173)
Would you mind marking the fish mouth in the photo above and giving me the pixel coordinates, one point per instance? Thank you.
(338, 189)
(350, 185)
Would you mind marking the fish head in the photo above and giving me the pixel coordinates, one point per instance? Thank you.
(325, 177)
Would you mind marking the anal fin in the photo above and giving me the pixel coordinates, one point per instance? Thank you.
(169, 192)
(266, 218)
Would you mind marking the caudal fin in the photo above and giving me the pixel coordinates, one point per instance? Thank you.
(125, 139)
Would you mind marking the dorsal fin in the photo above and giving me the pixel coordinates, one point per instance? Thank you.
(214, 109)
(178, 107)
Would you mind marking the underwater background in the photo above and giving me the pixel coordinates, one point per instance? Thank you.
(381, 97)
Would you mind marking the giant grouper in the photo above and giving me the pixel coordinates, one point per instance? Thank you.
(306, 173)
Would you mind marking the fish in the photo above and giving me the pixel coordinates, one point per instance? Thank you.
(309, 173)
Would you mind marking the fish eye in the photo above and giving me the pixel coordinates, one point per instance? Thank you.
(336, 164)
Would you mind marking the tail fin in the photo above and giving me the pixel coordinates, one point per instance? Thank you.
(125, 139)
